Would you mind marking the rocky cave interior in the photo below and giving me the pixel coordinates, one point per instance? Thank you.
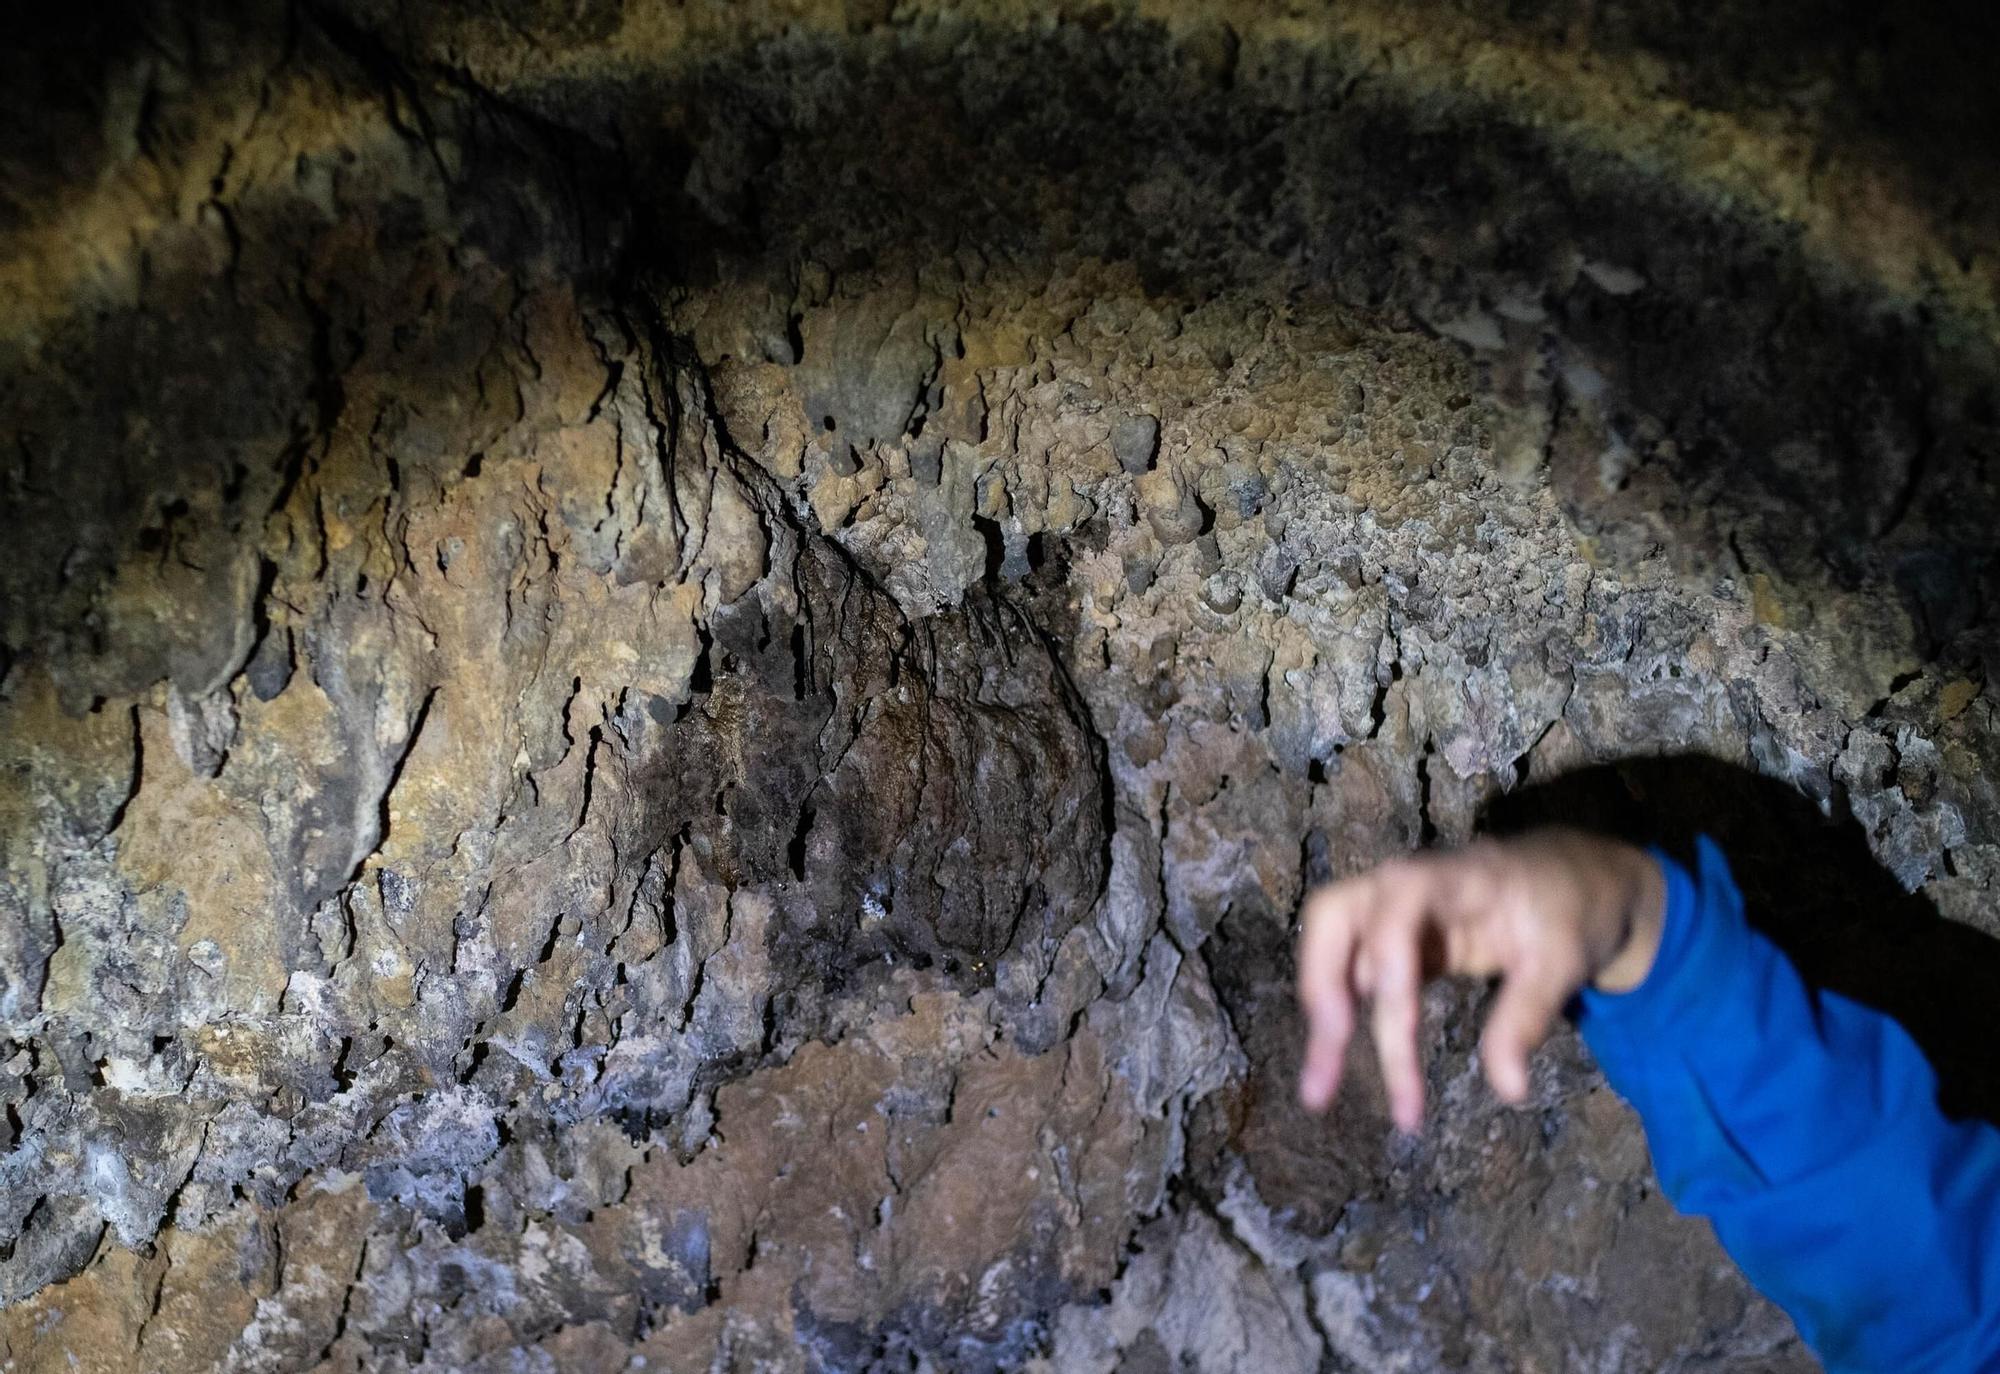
(669, 673)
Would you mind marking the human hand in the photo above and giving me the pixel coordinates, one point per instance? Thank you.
(1546, 913)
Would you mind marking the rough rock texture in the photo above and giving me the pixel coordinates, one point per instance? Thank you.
(667, 674)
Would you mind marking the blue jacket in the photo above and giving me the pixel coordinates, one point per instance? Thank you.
(1806, 1128)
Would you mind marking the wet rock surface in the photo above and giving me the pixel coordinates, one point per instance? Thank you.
(668, 678)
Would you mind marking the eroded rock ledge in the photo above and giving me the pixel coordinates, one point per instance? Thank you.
(669, 677)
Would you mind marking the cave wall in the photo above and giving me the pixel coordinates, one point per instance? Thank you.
(670, 673)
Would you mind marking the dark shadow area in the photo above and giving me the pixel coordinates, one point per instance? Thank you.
(1783, 415)
(1812, 885)
(1779, 421)
(1914, 81)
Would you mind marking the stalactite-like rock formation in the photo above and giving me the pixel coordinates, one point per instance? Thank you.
(668, 674)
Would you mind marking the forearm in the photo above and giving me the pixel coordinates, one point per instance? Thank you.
(1807, 1129)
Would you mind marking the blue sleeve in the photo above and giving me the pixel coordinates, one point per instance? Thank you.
(1806, 1128)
